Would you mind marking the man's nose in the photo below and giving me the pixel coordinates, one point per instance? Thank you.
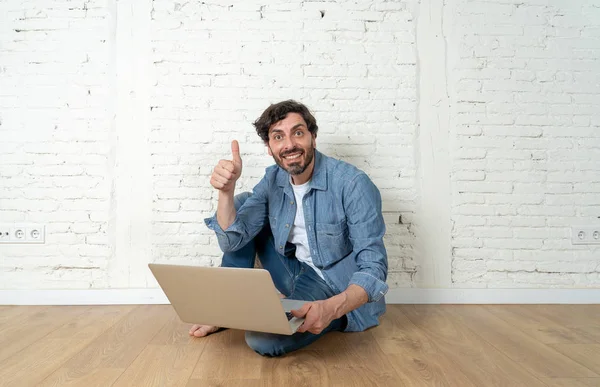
(288, 143)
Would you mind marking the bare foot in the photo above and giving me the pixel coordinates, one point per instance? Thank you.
(202, 330)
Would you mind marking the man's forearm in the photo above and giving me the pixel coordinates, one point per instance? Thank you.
(351, 298)
(225, 209)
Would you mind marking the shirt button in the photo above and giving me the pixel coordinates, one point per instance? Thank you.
(280, 247)
(292, 202)
(287, 225)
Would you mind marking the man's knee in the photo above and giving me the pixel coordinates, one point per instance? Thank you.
(265, 344)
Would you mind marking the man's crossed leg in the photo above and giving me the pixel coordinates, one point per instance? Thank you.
(294, 279)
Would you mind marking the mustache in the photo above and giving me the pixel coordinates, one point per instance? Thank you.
(294, 150)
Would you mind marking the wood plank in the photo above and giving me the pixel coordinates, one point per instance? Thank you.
(97, 377)
(340, 356)
(92, 323)
(581, 319)
(162, 366)
(572, 382)
(443, 345)
(351, 359)
(302, 369)
(355, 359)
(538, 358)
(226, 356)
(587, 355)
(168, 360)
(175, 332)
(32, 327)
(32, 364)
(539, 326)
(226, 383)
(10, 315)
(121, 344)
(483, 364)
(417, 360)
(111, 353)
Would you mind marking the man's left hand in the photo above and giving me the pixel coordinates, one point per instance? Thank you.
(318, 315)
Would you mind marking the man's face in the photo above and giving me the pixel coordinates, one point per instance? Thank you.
(292, 147)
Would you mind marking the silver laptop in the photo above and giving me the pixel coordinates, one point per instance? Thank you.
(227, 297)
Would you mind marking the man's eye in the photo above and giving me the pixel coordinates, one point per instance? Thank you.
(277, 137)
(299, 133)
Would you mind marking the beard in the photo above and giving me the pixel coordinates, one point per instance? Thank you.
(298, 167)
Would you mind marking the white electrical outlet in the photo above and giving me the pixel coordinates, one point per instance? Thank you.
(4, 234)
(35, 234)
(22, 233)
(585, 235)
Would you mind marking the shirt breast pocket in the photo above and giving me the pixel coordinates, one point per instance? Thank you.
(334, 242)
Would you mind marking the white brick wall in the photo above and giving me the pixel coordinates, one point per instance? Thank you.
(478, 121)
(526, 87)
(218, 67)
(55, 142)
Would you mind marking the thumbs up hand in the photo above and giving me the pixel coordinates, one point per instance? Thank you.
(227, 172)
(235, 152)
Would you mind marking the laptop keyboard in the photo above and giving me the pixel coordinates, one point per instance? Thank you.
(289, 315)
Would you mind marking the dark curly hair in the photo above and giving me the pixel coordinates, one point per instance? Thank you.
(277, 112)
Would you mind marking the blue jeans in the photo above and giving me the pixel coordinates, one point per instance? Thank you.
(292, 278)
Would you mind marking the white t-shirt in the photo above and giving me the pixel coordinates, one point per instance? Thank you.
(298, 231)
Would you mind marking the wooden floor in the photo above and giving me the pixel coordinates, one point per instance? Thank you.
(415, 345)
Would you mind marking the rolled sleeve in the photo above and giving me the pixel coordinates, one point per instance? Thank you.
(227, 239)
(367, 228)
(249, 219)
(374, 287)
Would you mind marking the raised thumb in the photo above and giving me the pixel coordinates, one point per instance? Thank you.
(235, 152)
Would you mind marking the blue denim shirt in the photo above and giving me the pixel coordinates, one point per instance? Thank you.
(344, 223)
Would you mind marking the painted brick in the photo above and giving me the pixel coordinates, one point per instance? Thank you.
(520, 84)
(549, 98)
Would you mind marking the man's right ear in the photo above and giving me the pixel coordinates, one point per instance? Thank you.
(269, 150)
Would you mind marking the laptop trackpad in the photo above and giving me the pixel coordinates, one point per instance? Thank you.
(288, 305)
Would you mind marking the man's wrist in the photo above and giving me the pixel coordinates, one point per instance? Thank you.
(225, 209)
(227, 194)
(348, 300)
(338, 304)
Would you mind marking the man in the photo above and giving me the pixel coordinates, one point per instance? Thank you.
(315, 224)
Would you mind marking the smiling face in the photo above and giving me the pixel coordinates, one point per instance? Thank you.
(292, 147)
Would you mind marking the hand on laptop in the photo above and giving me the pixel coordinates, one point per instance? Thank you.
(202, 330)
(318, 315)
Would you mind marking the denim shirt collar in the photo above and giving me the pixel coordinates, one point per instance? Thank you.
(318, 180)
